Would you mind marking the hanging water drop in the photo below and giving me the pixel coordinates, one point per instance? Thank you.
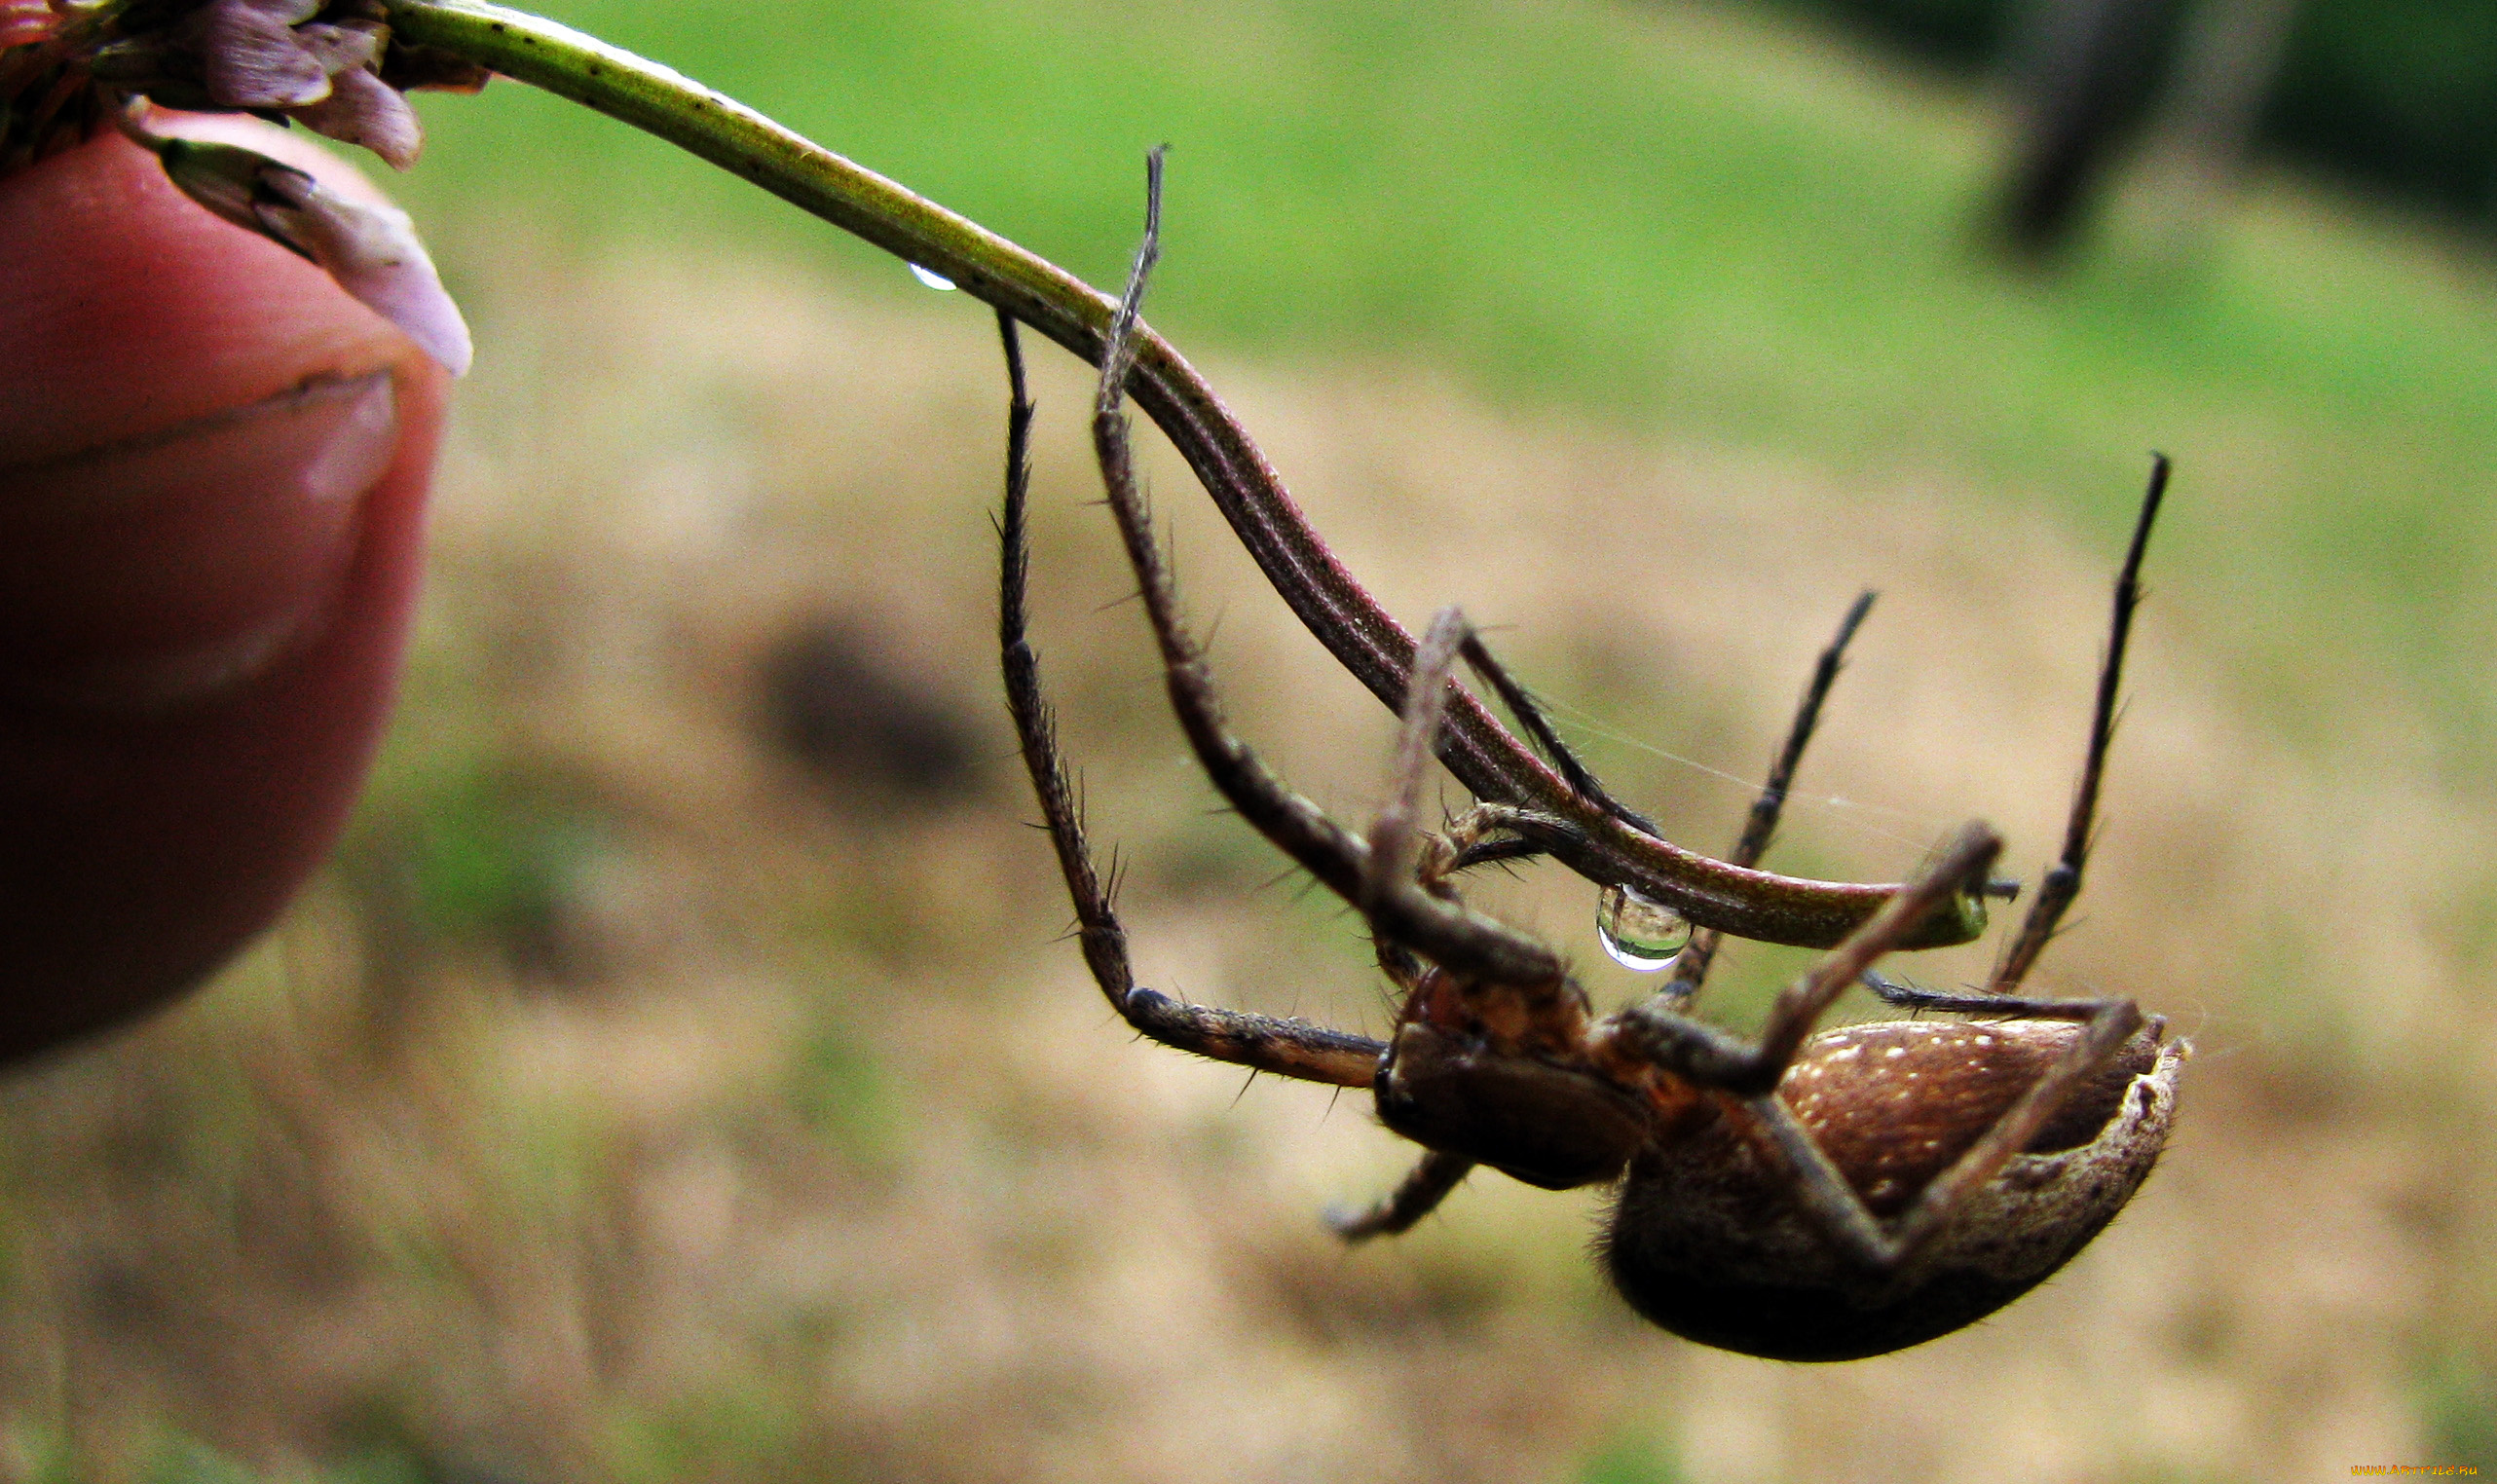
(1639, 934)
(931, 280)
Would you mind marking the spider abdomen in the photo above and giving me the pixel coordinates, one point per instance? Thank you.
(1894, 1102)
(1709, 1241)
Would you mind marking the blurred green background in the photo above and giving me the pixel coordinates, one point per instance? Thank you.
(677, 1078)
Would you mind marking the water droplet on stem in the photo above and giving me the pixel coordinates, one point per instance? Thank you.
(1640, 934)
(932, 280)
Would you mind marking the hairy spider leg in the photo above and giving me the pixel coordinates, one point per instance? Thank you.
(1469, 943)
(2106, 1025)
(1761, 825)
(1431, 1180)
(1444, 932)
(2062, 882)
(1529, 712)
(1378, 874)
(1691, 966)
(1285, 1047)
(1398, 870)
(1493, 832)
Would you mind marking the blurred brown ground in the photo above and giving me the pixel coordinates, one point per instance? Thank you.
(733, 1120)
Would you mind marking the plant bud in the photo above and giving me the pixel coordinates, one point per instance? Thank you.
(371, 250)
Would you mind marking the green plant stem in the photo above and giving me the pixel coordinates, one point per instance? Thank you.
(1482, 754)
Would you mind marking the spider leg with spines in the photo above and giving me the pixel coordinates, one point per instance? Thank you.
(1689, 968)
(1287, 1047)
(2062, 883)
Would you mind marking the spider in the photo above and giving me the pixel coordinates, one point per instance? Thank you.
(1810, 1197)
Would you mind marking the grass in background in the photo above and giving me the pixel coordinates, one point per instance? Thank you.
(1666, 215)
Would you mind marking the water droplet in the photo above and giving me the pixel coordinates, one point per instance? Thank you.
(1638, 932)
(932, 280)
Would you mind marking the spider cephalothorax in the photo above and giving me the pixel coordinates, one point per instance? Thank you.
(1807, 1197)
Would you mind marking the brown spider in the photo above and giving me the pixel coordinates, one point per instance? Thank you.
(1809, 1198)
